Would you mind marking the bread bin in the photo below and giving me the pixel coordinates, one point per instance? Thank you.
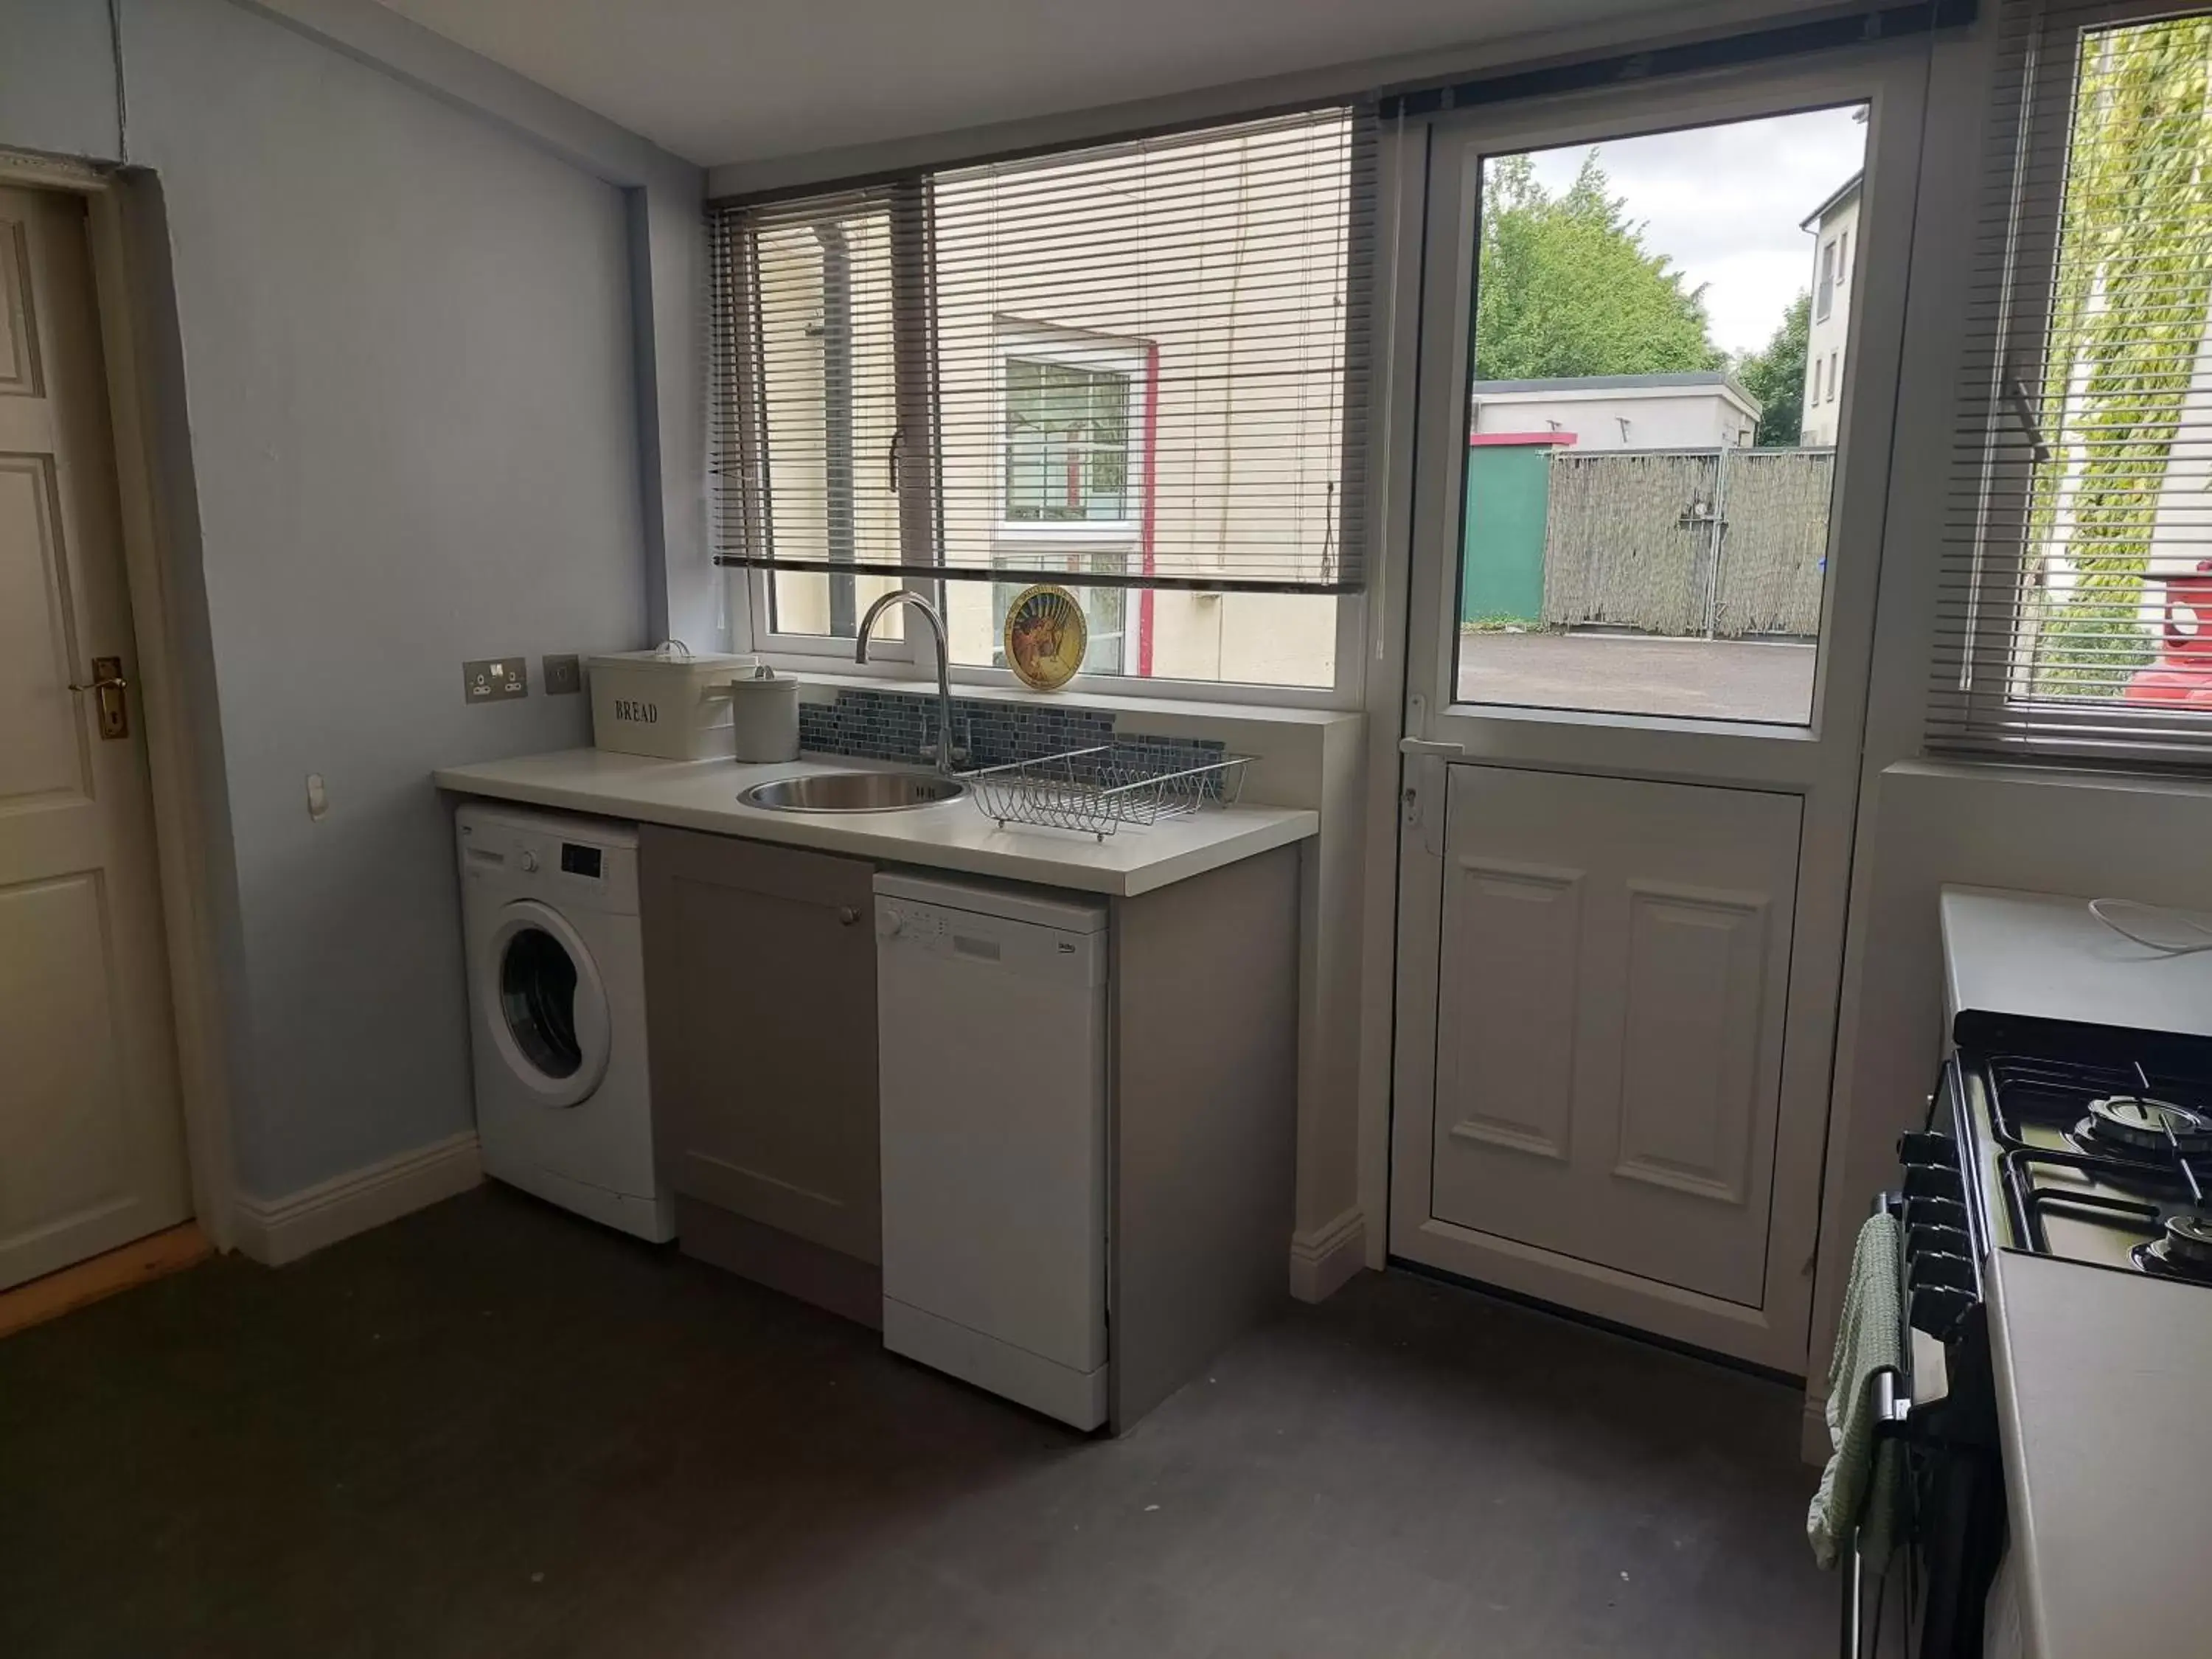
(666, 703)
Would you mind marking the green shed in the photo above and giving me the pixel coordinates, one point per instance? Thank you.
(1508, 495)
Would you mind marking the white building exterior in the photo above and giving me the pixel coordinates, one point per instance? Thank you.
(1701, 411)
(1834, 226)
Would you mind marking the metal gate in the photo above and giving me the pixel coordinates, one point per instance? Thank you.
(1709, 542)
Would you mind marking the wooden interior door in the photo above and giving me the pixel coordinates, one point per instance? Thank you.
(91, 1137)
(1615, 967)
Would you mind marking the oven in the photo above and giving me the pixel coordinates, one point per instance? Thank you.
(1941, 1405)
(2086, 1145)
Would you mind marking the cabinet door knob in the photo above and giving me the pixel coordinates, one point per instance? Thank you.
(847, 916)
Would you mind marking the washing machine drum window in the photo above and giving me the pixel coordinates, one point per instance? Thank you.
(538, 995)
(544, 1006)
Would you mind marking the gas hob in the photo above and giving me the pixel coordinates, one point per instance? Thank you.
(2109, 1165)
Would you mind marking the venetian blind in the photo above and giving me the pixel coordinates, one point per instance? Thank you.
(2077, 551)
(1140, 364)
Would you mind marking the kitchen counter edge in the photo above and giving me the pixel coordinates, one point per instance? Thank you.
(702, 795)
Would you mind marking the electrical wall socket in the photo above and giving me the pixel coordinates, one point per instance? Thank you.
(495, 680)
(563, 674)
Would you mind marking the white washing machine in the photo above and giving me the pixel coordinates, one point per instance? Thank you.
(557, 1000)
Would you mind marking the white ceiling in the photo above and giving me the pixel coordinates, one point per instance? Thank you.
(719, 80)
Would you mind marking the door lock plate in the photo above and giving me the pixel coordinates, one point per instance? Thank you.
(108, 687)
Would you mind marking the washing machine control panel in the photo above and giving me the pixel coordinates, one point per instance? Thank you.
(541, 859)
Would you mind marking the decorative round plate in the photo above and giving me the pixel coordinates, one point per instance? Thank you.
(1045, 637)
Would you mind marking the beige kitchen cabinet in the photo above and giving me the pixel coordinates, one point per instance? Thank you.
(760, 967)
(759, 970)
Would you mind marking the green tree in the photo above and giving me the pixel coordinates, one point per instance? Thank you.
(1565, 287)
(2133, 283)
(1775, 375)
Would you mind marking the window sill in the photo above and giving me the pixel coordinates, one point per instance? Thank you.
(1090, 533)
(2051, 776)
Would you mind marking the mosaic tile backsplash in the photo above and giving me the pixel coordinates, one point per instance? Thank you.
(897, 725)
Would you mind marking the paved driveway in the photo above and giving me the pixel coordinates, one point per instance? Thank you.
(1708, 680)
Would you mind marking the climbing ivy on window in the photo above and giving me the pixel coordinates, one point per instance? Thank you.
(2130, 298)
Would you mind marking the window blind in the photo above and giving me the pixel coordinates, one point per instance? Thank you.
(1143, 364)
(2074, 610)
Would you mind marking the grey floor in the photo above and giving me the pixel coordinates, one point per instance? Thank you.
(491, 1430)
(1636, 674)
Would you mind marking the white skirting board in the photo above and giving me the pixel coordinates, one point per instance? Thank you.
(276, 1230)
(1324, 1258)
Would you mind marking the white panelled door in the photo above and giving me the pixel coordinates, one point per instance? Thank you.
(1640, 620)
(91, 1139)
(1616, 960)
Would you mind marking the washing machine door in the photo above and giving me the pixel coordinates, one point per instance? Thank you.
(545, 1003)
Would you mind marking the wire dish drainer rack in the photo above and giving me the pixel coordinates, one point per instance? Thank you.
(1096, 790)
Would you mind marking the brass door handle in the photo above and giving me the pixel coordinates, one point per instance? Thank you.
(108, 683)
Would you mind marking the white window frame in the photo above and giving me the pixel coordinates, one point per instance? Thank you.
(1986, 720)
(750, 609)
(1017, 339)
(889, 656)
(1019, 542)
(912, 657)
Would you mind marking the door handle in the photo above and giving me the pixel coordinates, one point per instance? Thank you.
(1421, 796)
(847, 916)
(108, 685)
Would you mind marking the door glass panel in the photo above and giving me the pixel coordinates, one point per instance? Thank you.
(537, 994)
(1650, 463)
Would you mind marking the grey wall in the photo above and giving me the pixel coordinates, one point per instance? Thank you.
(683, 592)
(408, 431)
(57, 78)
(407, 366)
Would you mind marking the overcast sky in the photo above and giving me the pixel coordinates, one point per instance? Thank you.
(1723, 203)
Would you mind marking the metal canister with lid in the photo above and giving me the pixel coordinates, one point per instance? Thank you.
(764, 715)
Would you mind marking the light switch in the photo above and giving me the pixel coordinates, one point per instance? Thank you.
(494, 679)
(564, 674)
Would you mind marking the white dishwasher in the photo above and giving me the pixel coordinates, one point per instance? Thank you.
(992, 1004)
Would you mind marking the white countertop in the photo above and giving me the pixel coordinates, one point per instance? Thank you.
(2102, 1382)
(2103, 1378)
(2043, 955)
(952, 835)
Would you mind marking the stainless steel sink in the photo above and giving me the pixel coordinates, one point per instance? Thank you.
(853, 792)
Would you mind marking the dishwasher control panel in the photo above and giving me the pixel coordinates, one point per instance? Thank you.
(992, 941)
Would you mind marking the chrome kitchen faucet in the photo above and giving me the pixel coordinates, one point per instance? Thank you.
(947, 752)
